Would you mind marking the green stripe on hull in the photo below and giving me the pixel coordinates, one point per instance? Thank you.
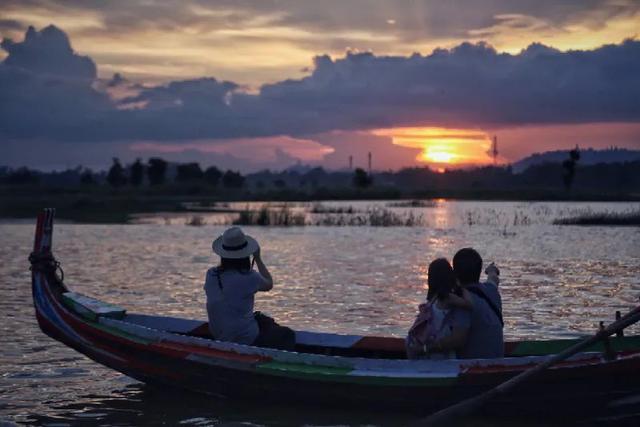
(115, 332)
(542, 348)
(345, 375)
(122, 334)
(286, 368)
(91, 319)
(79, 310)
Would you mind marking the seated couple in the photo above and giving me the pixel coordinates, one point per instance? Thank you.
(462, 318)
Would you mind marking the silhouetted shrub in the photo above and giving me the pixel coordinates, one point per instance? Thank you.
(116, 177)
(137, 173)
(189, 172)
(232, 179)
(212, 176)
(156, 170)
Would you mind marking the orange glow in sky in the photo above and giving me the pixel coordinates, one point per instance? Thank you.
(443, 146)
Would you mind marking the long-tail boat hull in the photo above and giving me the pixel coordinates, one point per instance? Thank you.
(326, 369)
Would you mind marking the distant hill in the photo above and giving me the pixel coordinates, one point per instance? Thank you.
(587, 157)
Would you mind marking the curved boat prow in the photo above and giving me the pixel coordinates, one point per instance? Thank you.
(44, 232)
(46, 284)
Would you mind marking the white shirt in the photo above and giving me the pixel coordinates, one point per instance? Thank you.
(439, 315)
(230, 304)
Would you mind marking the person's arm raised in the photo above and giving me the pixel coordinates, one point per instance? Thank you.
(264, 272)
(493, 274)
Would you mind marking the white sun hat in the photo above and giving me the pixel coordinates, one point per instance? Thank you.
(234, 244)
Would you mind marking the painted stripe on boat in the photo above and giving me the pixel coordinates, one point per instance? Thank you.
(64, 315)
(38, 237)
(556, 346)
(120, 333)
(342, 375)
(50, 309)
(396, 374)
(518, 364)
(224, 363)
(185, 350)
(302, 369)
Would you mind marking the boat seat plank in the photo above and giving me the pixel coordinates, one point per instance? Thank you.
(326, 340)
(91, 308)
(165, 323)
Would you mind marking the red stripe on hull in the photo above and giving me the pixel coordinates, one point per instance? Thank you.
(182, 350)
(38, 236)
(519, 368)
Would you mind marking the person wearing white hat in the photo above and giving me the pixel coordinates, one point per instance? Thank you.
(231, 289)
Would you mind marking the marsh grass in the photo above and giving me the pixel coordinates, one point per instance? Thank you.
(195, 221)
(267, 216)
(629, 218)
(319, 208)
(413, 204)
(373, 217)
(284, 216)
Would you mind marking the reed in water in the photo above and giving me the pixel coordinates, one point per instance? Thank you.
(602, 218)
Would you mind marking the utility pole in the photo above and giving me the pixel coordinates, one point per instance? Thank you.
(494, 150)
(350, 162)
(369, 162)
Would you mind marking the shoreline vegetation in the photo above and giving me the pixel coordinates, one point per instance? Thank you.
(317, 214)
(122, 206)
(122, 209)
(126, 191)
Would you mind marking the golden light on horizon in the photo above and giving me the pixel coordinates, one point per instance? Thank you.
(438, 155)
(442, 146)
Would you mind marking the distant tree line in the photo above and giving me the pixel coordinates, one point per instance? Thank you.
(155, 171)
(568, 175)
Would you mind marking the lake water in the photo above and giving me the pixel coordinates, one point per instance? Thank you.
(557, 281)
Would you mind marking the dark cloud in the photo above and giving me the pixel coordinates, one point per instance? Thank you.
(46, 89)
(116, 80)
(48, 52)
(205, 95)
(470, 85)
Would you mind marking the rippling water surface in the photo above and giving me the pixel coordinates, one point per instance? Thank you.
(558, 281)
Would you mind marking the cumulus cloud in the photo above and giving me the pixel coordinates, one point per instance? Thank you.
(47, 92)
(46, 88)
(470, 85)
(280, 36)
(48, 52)
(198, 95)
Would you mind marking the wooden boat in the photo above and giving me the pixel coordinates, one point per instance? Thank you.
(325, 369)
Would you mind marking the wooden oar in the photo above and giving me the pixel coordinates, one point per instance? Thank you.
(467, 406)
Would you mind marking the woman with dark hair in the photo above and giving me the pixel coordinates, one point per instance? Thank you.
(231, 289)
(437, 316)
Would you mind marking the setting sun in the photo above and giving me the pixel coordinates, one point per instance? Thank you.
(443, 146)
(438, 155)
